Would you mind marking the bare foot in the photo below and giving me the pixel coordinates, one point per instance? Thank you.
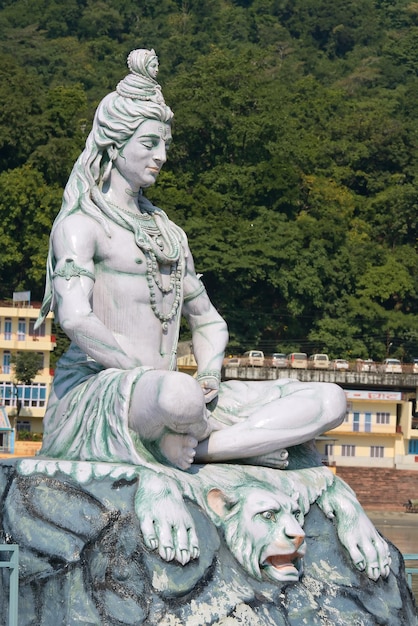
(180, 450)
(276, 459)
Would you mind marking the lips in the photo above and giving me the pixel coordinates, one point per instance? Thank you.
(283, 560)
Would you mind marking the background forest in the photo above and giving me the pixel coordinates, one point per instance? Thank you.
(294, 163)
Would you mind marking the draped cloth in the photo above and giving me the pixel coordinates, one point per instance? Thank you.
(87, 414)
(88, 410)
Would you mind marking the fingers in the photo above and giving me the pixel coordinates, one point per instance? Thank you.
(371, 555)
(210, 394)
(174, 540)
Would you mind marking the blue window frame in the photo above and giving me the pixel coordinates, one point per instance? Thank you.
(413, 446)
(6, 362)
(21, 330)
(356, 422)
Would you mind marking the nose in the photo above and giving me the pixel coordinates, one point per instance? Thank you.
(160, 154)
(298, 540)
(295, 533)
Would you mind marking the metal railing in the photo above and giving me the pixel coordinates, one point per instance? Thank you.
(13, 564)
(412, 572)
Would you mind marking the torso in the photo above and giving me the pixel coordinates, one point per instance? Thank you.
(121, 298)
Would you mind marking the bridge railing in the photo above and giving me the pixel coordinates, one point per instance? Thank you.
(9, 558)
(411, 570)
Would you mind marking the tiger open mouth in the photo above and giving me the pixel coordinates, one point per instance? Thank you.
(283, 567)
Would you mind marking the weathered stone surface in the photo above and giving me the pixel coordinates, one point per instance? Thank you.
(83, 561)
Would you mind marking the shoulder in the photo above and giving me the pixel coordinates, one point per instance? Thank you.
(76, 232)
(77, 224)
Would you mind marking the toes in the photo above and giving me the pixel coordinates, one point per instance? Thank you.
(167, 553)
(183, 557)
(373, 571)
(361, 565)
(148, 533)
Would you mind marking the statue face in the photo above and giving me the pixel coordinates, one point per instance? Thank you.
(140, 160)
(152, 67)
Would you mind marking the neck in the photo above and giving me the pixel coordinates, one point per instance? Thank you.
(117, 190)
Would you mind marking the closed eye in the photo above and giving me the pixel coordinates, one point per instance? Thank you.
(149, 144)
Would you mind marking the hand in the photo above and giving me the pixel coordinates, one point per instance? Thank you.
(210, 387)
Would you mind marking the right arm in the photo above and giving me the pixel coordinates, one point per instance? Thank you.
(74, 243)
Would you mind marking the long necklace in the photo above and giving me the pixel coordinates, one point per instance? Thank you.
(161, 243)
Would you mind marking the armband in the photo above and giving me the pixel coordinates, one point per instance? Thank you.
(209, 374)
(71, 270)
(197, 292)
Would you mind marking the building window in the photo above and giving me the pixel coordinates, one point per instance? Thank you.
(7, 329)
(22, 425)
(39, 332)
(413, 446)
(356, 422)
(382, 418)
(7, 394)
(367, 422)
(348, 450)
(377, 452)
(30, 395)
(21, 330)
(6, 362)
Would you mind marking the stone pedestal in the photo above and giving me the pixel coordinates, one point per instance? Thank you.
(83, 561)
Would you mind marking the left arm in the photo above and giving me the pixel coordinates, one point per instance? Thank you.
(209, 331)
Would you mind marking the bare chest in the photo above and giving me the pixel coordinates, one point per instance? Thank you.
(120, 254)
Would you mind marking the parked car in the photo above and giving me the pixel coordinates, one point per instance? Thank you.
(253, 357)
(297, 360)
(368, 365)
(415, 366)
(279, 359)
(232, 361)
(391, 366)
(318, 362)
(339, 364)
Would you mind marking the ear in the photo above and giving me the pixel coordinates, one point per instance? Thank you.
(218, 502)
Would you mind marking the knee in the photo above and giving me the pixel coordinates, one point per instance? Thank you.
(181, 395)
(334, 403)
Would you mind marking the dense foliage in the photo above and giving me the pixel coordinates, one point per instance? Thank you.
(294, 164)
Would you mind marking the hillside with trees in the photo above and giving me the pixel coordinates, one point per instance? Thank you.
(294, 163)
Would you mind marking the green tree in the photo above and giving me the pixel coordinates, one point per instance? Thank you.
(26, 365)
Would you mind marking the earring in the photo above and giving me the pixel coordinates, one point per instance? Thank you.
(112, 153)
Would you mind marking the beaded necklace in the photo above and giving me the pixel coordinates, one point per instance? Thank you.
(161, 244)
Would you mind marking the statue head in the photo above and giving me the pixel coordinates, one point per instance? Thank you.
(262, 528)
(136, 99)
(143, 63)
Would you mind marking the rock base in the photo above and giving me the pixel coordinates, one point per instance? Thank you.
(83, 561)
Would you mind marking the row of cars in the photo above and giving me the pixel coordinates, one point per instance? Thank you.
(300, 360)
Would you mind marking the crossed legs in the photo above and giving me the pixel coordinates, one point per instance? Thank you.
(168, 408)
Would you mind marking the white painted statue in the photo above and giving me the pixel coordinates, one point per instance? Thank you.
(120, 275)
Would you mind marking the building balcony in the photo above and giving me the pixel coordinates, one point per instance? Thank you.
(35, 343)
